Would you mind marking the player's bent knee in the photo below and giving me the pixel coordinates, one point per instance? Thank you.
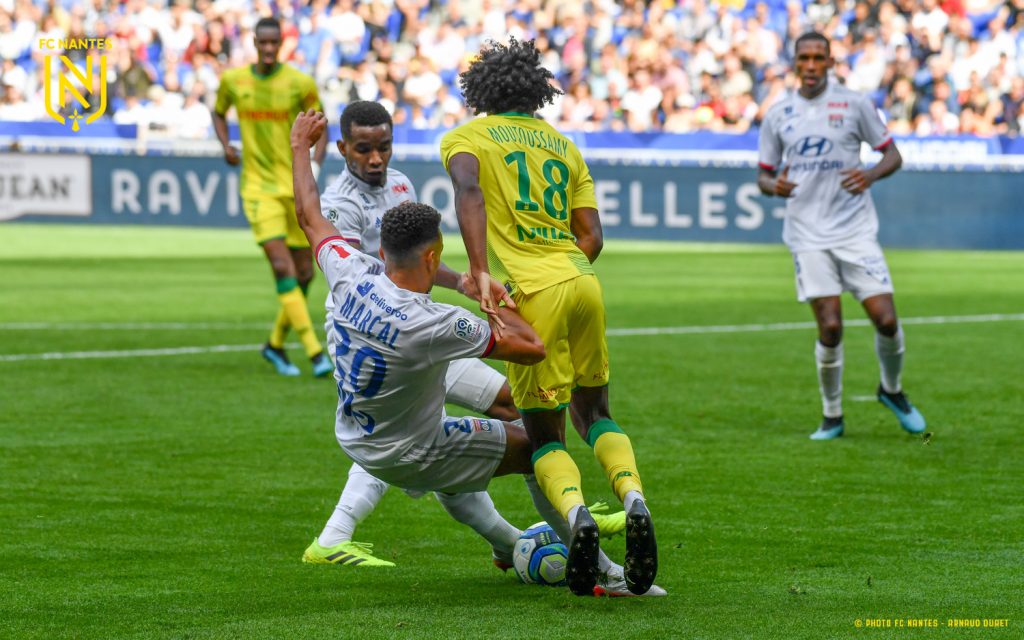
(517, 452)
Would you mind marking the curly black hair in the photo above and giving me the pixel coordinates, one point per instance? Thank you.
(507, 78)
(407, 228)
(363, 113)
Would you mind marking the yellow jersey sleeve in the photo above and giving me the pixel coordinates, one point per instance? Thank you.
(224, 96)
(456, 141)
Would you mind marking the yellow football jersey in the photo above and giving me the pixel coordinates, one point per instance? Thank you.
(266, 106)
(532, 178)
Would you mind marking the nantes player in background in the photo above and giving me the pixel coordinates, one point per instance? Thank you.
(267, 96)
(526, 208)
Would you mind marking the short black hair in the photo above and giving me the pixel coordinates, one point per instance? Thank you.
(363, 113)
(407, 228)
(264, 23)
(507, 78)
(812, 36)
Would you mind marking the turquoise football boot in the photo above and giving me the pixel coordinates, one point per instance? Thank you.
(830, 429)
(279, 359)
(910, 418)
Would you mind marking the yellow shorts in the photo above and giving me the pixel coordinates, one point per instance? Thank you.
(569, 317)
(272, 218)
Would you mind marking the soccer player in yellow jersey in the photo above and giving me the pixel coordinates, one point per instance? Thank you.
(267, 96)
(526, 207)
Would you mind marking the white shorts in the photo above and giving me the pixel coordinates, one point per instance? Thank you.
(472, 384)
(461, 458)
(859, 268)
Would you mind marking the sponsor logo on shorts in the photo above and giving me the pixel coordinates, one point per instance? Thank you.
(468, 330)
(466, 425)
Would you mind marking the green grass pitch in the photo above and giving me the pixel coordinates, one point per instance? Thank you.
(172, 497)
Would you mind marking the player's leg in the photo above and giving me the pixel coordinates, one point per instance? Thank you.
(828, 359)
(302, 256)
(818, 282)
(299, 318)
(471, 383)
(865, 274)
(890, 346)
(518, 454)
(542, 392)
(612, 447)
(269, 228)
(334, 545)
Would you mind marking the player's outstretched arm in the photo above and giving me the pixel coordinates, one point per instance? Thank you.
(586, 226)
(518, 341)
(309, 126)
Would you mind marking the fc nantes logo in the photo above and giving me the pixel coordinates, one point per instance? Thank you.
(82, 87)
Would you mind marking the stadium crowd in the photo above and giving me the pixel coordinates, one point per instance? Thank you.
(935, 67)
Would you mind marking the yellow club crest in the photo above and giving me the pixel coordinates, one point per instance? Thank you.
(83, 85)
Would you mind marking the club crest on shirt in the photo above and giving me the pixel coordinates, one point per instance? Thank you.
(835, 120)
(467, 329)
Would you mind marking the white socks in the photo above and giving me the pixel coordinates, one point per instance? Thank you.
(890, 359)
(476, 511)
(830, 378)
(557, 522)
(631, 497)
(361, 494)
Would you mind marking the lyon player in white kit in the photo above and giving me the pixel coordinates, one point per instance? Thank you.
(809, 153)
(392, 345)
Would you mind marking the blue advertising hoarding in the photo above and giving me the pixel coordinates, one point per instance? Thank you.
(927, 209)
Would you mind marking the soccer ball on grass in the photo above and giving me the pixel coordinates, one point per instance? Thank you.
(539, 556)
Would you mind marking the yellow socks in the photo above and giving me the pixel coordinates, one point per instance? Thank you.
(615, 453)
(293, 307)
(280, 330)
(558, 477)
(281, 323)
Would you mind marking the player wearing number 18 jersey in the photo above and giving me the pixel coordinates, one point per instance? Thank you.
(528, 215)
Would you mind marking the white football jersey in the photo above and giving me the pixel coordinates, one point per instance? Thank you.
(391, 349)
(817, 139)
(355, 207)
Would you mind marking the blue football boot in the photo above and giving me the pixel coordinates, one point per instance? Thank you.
(910, 418)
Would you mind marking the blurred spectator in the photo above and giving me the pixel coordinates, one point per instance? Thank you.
(673, 65)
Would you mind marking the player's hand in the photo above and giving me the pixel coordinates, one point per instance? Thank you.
(467, 286)
(231, 156)
(308, 127)
(783, 187)
(485, 289)
(856, 181)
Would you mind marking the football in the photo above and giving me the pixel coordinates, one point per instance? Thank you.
(540, 557)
